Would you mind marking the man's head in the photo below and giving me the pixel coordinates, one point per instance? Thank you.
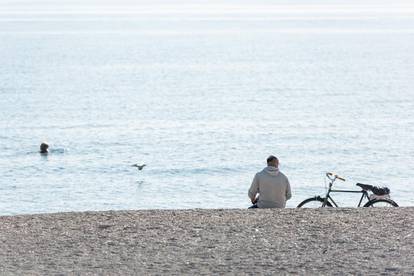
(272, 161)
(43, 147)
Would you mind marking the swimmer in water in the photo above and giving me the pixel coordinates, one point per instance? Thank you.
(43, 148)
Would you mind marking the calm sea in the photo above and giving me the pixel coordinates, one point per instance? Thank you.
(202, 92)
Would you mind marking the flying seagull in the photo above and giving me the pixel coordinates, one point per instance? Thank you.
(139, 167)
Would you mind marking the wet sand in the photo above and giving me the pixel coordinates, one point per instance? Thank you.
(299, 241)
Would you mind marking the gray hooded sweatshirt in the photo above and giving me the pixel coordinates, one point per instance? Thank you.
(273, 187)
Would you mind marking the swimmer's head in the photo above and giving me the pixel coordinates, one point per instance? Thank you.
(43, 147)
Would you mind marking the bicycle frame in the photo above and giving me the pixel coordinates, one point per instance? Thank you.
(330, 190)
(330, 199)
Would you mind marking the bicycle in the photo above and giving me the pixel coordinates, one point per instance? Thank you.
(379, 197)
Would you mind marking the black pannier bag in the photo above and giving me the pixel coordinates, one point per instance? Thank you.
(380, 190)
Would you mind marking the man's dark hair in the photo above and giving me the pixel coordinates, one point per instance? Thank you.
(271, 158)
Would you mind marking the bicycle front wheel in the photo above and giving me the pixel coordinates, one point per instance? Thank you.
(381, 203)
(313, 202)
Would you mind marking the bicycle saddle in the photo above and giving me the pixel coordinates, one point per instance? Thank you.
(376, 190)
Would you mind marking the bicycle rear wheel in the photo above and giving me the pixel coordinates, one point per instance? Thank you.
(381, 203)
(313, 202)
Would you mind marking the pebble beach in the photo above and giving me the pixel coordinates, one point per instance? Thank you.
(202, 241)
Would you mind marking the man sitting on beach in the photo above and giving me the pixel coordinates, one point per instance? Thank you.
(272, 186)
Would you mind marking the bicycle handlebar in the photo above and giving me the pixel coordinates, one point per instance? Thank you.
(328, 174)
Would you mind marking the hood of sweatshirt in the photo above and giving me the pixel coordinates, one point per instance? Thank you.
(271, 170)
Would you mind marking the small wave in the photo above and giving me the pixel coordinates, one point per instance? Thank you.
(199, 171)
(51, 151)
(58, 150)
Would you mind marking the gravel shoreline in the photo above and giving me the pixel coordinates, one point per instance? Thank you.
(273, 241)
